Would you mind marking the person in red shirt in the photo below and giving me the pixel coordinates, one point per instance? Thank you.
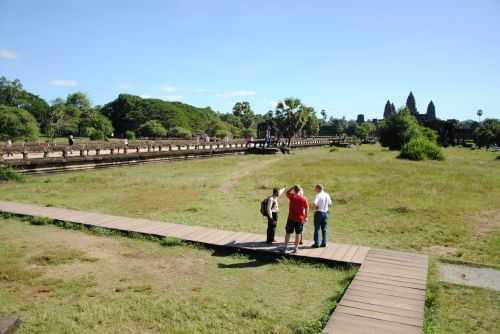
(297, 215)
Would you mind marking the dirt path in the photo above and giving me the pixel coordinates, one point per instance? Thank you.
(245, 169)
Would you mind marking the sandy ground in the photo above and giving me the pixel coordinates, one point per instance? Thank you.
(478, 277)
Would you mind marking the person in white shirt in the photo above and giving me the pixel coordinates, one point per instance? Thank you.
(322, 203)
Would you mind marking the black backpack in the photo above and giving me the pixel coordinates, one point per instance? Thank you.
(263, 206)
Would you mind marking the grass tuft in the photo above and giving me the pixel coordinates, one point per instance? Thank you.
(9, 174)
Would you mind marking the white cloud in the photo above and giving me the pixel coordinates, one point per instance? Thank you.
(63, 83)
(238, 93)
(8, 54)
(168, 88)
(273, 104)
(173, 97)
(145, 96)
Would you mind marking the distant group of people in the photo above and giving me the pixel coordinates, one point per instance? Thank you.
(298, 214)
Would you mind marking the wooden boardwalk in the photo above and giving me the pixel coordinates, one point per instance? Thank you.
(387, 294)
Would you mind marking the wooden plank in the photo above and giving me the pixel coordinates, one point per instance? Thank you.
(384, 309)
(406, 264)
(340, 252)
(360, 255)
(350, 253)
(420, 261)
(392, 277)
(383, 297)
(378, 315)
(382, 293)
(361, 278)
(383, 286)
(329, 250)
(353, 324)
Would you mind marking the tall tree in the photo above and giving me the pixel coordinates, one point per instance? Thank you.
(479, 114)
(291, 117)
(244, 112)
(431, 111)
(411, 104)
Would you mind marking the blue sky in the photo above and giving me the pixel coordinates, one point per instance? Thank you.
(347, 57)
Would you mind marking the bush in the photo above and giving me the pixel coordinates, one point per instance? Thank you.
(17, 124)
(94, 134)
(180, 132)
(152, 128)
(9, 174)
(421, 148)
(398, 129)
(130, 135)
(96, 121)
(488, 133)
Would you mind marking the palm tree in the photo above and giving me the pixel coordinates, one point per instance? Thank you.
(479, 114)
(291, 116)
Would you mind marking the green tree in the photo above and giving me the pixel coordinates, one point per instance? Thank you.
(16, 124)
(153, 129)
(312, 126)
(291, 116)
(12, 94)
(339, 125)
(244, 112)
(179, 132)
(488, 133)
(364, 130)
(10, 91)
(78, 100)
(411, 104)
(479, 114)
(397, 129)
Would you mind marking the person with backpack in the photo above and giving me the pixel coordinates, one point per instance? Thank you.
(270, 208)
(297, 215)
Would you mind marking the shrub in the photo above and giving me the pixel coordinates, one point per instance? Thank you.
(17, 123)
(488, 133)
(9, 174)
(152, 128)
(421, 148)
(40, 221)
(130, 135)
(398, 129)
(180, 132)
(95, 134)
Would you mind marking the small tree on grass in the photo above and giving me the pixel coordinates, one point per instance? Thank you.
(487, 133)
(402, 132)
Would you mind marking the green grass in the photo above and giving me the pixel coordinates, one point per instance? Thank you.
(457, 309)
(65, 281)
(450, 209)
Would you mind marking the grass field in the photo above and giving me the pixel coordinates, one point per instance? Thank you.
(449, 210)
(64, 281)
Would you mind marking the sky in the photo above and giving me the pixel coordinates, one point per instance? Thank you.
(346, 57)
